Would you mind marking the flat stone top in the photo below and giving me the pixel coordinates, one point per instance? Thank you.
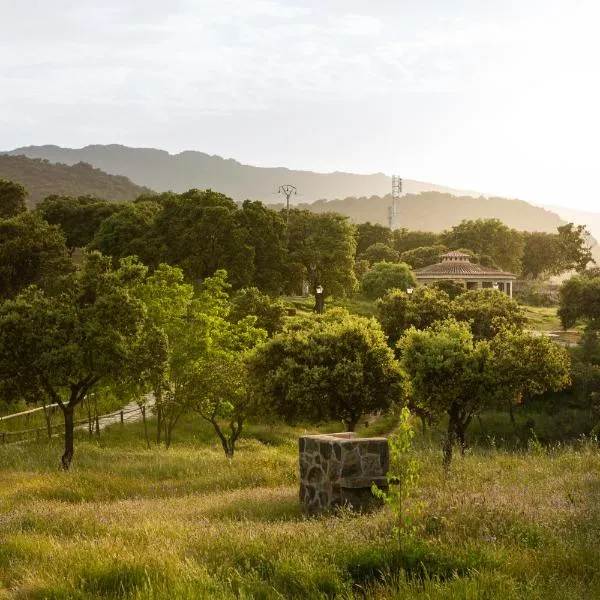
(348, 436)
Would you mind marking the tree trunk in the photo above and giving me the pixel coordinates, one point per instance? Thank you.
(351, 423)
(450, 436)
(511, 413)
(67, 457)
(143, 408)
(159, 422)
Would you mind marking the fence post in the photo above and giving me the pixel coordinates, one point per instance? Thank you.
(122, 418)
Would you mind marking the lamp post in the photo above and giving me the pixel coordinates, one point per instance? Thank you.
(319, 300)
(409, 291)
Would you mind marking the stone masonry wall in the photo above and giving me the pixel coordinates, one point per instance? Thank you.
(339, 469)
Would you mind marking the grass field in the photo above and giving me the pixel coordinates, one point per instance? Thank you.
(127, 522)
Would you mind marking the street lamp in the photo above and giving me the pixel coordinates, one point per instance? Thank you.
(319, 300)
(409, 291)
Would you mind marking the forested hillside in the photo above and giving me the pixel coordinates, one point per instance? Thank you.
(436, 211)
(42, 178)
(162, 171)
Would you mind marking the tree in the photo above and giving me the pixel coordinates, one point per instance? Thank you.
(488, 311)
(397, 311)
(380, 252)
(79, 218)
(575, 248)
(418, 258)
(266, 233)
(63, 345)
(448, 373)
(31, 252)
(200, 232)
(385, 276)
(490, 239)
(336, 366)
(12, 198)
(199, 340)
(525, 365)
(129, 232)
(541, 254)
(405, 240)
(451, 287)
(580, 299)
(269, 313)
(368, 234)
(321, 251)
(547, 254)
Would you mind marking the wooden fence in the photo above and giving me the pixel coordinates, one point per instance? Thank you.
(95, 423)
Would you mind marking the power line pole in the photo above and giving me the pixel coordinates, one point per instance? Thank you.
(288, 191)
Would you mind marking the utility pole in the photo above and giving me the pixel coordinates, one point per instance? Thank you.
(288, 191)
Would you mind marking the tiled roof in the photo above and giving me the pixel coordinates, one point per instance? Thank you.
(461, 269)
(455, 254)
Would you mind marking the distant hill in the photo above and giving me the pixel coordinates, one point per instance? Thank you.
(436, 211)
(162, 171)
(43, 178)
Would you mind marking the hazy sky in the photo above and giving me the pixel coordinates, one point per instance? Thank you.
(500, 96)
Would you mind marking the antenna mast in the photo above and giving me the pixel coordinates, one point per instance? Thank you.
(394, 209)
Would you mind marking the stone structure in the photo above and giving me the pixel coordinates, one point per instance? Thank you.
(339, 469)
(457, 266)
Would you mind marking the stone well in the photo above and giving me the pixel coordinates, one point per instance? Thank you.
(339, 469)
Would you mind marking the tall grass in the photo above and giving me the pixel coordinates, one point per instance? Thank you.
(127, 522)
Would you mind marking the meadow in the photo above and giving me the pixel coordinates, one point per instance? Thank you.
(127, 522)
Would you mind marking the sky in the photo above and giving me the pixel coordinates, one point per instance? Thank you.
(502, 97)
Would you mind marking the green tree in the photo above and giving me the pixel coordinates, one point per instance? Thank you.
(368, 234)
(451, 287)
(129, 232)
(490, 239)
(331, 367)
(575, 247)
(448, 373)
(266, 234)
(64, 345)
(380, 252)
(31, 252)
(321, 251)
(79, 218)
(541, 254)
(405, 240)
(525, 365)
(488, 311)
(421, 257)
(269, 313)
(397, 311)
(200, 232)
(385, 276)
(12, 198)
(580, 299)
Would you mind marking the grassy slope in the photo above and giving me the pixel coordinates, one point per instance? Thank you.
(186, 523)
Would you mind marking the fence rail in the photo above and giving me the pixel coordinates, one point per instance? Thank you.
(35, 433)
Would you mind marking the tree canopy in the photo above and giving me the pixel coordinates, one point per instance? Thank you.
(384, 276)
(331, 367)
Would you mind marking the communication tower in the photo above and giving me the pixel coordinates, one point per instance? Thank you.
(394, 209)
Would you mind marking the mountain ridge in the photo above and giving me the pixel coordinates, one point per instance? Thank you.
(163, 171)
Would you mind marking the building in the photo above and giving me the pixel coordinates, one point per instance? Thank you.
(457, 266)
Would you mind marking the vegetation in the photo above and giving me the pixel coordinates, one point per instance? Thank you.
(186, 523)
(42, 179)
(217, 356)
(336, 366)
(385, 276)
